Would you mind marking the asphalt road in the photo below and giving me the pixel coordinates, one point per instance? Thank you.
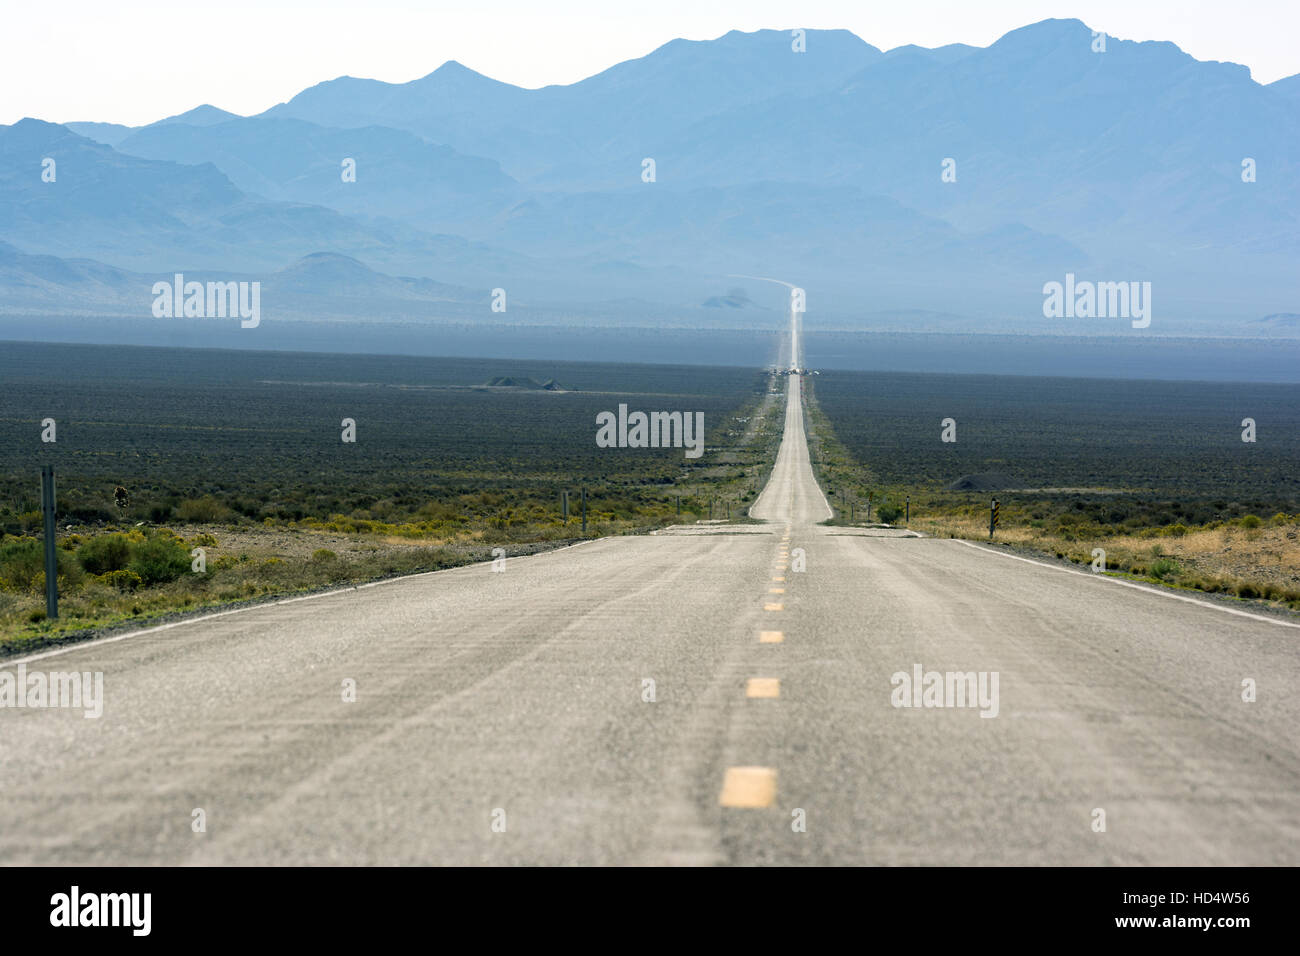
(504, 718)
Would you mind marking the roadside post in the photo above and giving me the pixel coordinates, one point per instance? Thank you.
(564, 505)
(993, 517)
(584, 509)
(51, 556)
(907, 512)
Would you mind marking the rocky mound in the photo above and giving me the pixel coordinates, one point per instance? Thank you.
(516, 381)
(985, 481)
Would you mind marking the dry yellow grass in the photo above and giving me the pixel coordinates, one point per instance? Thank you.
(1268, 555)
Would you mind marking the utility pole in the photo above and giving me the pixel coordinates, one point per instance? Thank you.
(51, 556)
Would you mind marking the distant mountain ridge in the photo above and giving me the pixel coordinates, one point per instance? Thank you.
(958, 179)
(322, 284)
(110, 134)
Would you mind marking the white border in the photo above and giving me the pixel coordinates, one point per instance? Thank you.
(1129, 584)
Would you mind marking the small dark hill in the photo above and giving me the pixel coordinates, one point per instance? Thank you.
(523, 382)
(986, 481)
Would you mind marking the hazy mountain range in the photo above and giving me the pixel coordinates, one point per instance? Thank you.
(822, 168)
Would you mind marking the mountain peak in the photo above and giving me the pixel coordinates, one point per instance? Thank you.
(331, 260)
(205, 115)
(455, 72)
(1046, 35)
(768, 38)
(32, 123)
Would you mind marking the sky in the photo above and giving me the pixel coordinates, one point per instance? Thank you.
(136, 61)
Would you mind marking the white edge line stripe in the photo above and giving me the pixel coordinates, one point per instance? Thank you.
(1130, 584)
(83, 645)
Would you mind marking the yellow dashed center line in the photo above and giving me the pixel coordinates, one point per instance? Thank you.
(771, 637)
(748, 787)
(763, 687)
(778, 579)
(773, 607)
(776, 590)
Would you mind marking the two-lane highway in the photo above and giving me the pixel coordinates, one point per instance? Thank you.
(690, 697)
